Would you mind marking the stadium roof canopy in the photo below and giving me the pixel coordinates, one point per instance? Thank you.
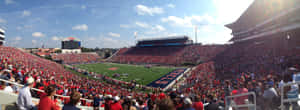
(164, 38)
(71, 38)
(261, 12)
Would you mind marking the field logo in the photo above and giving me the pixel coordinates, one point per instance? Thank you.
(113, 68)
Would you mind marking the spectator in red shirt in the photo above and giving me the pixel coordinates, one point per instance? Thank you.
(198, 105)
(46, 102)
(116, 104)
(241, 100)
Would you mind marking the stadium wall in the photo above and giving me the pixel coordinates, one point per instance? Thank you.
(71, 50)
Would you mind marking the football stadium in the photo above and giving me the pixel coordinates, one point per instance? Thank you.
(257, 68)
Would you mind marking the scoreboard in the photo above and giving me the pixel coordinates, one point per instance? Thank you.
(71, 44)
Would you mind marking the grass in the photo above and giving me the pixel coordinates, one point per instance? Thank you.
(141, 74)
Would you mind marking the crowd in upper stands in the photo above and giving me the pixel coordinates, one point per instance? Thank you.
(174, 55)
(78, 58)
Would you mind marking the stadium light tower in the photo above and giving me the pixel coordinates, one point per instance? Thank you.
(195, 34)
(135, 36)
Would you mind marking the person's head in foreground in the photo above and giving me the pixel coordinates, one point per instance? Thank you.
(30, 82)
(50, 90)
(187, 103)
(166, 104)
(74, 98)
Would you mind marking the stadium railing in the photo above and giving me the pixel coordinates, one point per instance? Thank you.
(173, 82)
(35, 99)
(251, 106)
(288, 100)
(110, 57)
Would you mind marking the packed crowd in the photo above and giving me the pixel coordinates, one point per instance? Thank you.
(203, 53)
(77, 58)
(151, 55)
(172, 55)
(35, 72)
(257, 57)
(259, 67)
(18, 66)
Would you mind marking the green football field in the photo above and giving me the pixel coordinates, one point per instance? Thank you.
(128, 73)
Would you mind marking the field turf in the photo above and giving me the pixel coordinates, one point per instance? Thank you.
(128, 73)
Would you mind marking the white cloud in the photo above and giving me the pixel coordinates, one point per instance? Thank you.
(26, 13)
(148, 34)
(56, 38)
(215, 37)
(24, 27)
(151, 29)
(144, 10)
(81, 27)
(176, 21)
(189, 21)
(91, 39)
(159, 28)
(19, 28)
(83, 7)
(142, 24)
(109, 40)
(230, 10)
(171, 5)
(38, 34)
(7, 2)
(207, 28)
(2, 20)
(105, 41)
(114, 34)
(113, 43)
(18, 38)
(124, 26)
(33, 41)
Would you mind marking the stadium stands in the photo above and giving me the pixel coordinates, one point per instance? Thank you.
(17, 66)
(264, 56)
(77, 58)
(247, 66)
(171, 55)
(159, 55)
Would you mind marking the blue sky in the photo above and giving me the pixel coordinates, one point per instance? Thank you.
(112, 23)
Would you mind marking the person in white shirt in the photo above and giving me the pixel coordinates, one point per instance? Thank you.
(24, 101)
(8, 88)
(269, 96)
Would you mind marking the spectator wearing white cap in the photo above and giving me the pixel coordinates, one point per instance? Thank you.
(188, 104)
(24, 101)
(116, 104)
